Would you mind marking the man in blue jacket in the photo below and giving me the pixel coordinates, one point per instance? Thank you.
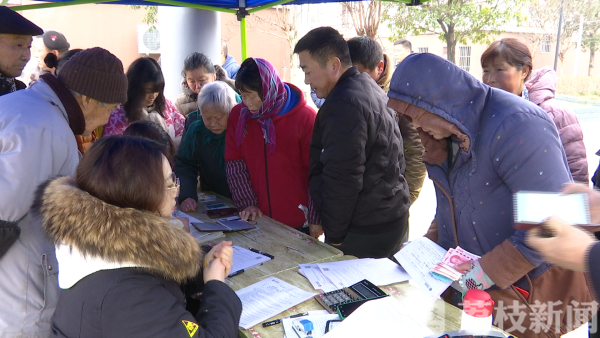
(228, 62)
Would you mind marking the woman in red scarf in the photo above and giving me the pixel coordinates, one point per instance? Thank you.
(266, 148)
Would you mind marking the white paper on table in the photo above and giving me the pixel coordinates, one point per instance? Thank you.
(319, 321)
(245, 259)
(418, 258)
(384, 317)
(316, 277)
(378, 271)
(267, 298)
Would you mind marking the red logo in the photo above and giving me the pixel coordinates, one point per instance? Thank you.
(53, 37)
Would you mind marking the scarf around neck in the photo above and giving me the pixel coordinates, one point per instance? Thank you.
(197, 131)
(10, 82)
(275, 96)
(74, 113)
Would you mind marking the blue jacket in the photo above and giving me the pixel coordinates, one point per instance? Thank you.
(231, 67)
(514, 146)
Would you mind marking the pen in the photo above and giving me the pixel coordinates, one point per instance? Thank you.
(277, 321)
(236, 273)
(262, 253)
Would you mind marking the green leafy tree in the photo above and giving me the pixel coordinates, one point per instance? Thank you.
(454, 20)
(591, 30)
(151, 16)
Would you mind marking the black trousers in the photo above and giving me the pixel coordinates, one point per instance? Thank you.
(383, 245)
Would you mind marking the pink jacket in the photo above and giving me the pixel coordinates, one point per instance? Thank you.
(542, 86)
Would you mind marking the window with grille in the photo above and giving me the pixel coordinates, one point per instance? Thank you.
(464, 57)
(546, 44)
(423, 49)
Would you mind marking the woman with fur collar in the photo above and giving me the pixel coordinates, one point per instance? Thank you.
(121, 261)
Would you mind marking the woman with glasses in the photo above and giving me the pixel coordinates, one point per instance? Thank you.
(121, 262)
(146, 101)
(267, 149)
(202, 151)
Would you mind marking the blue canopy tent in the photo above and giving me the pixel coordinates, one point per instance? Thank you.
(241, 8)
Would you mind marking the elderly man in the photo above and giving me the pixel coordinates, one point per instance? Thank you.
(15, 42)
(356, 158)
(37, 142)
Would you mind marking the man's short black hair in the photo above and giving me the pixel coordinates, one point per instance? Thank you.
(324, 43)
(405, 43)
(365, 51)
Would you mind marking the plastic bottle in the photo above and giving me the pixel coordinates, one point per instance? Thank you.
(477, 311)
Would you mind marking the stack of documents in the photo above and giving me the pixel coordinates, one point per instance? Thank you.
(267, 298)
(418, 258)
(244, 259)
(338, 275)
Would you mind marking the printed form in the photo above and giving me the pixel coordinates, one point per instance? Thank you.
(380, 271)
(244, 259)
(418, 258)
(267, 298)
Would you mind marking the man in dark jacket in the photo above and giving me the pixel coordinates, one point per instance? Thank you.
(356, 157)
(15, 42)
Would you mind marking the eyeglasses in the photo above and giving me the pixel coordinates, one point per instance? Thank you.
(174, 183)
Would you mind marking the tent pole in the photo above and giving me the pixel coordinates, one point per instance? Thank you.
(244, 39)
(57, 4)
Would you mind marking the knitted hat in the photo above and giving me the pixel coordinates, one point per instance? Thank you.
(12, 22)
(55, 40)
(96, 73)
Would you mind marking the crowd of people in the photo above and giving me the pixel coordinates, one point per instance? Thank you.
(94, 160)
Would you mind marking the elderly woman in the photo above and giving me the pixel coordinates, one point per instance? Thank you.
(481, 145)
(120, 260)
(202, 151)
(507, 65)
(267, 148)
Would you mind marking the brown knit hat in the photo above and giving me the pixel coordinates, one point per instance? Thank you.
(96, 73)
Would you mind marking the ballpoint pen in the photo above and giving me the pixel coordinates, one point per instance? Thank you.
(277, 321)
(262, 253)
(236, 273)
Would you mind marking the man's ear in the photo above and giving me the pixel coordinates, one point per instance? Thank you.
(55, 52)
(86, 102)
(380, 68)
(335, 63)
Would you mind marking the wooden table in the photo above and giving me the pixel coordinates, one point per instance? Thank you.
(439, 316)
(290, 247)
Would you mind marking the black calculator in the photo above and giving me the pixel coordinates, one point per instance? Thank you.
(346, 300)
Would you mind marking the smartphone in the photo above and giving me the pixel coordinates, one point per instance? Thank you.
(331, 324)
(345, 309)
(533, 207)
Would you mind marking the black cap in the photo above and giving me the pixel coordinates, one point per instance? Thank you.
(55, 40)
(12, 22)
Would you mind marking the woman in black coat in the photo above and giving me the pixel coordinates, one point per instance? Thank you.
(121, 261)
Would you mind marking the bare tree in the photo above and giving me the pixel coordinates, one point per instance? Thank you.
(283, 23)
(365, 16)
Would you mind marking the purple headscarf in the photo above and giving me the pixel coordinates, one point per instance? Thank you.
(275, 96)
